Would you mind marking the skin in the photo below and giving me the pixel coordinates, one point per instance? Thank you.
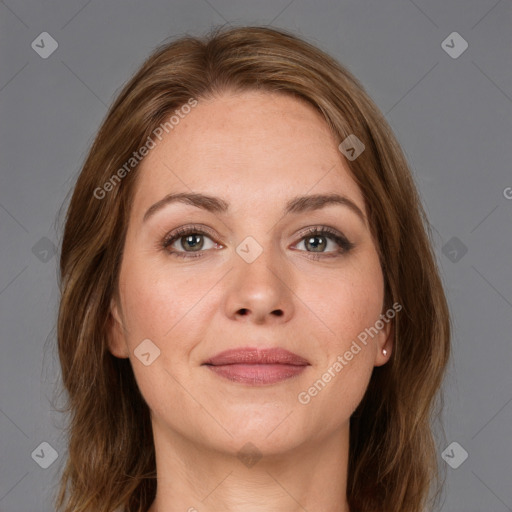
(256, 151)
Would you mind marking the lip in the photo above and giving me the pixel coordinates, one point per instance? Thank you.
(257, 366)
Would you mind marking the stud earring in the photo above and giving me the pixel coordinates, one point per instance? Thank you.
(384, 351)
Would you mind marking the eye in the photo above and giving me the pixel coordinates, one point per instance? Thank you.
(193, 237)
(188, 237)
(316, 239)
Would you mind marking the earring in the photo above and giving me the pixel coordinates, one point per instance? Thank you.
(384, 351)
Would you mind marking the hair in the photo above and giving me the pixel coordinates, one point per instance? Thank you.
(111, 457)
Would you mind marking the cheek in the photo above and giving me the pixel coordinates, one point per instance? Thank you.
(159, 307)
(348, 303)
(156, 302)
(349, 308)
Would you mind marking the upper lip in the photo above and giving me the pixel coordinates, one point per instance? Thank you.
(253, 355)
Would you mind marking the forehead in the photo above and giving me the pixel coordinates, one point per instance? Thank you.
(253, 147)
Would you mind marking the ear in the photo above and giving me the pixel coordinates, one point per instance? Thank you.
(385, 342)
(116, 337)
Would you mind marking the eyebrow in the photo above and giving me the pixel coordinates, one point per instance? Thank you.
(295, 205)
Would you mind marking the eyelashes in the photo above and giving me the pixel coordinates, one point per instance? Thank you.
(182, 233)
(308, 236)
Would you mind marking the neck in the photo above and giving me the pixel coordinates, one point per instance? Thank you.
(195, 477)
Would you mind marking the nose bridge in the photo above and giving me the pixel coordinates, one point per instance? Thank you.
(257, 262)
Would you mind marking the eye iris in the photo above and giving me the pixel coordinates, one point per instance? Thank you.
(310, 242)
(191, 240)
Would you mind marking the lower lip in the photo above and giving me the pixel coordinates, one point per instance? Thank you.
(257, 374)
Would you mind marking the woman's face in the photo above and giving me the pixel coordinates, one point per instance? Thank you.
(249, 276)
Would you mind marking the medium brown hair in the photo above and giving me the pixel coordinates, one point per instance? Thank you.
(111, 460)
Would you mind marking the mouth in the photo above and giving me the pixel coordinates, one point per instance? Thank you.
(255, 366)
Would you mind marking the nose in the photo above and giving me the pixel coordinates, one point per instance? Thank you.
(261, 291)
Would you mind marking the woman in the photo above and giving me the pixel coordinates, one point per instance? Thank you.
(251, 315)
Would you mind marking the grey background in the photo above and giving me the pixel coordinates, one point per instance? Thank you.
(453, 118)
